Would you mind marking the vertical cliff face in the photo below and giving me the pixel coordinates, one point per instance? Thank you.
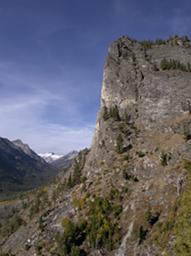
(133, 81)
(142, 139)
(154, 99)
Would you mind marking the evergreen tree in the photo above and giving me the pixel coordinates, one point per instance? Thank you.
(70, 183)
(105, 113)
(114, 113)
(164, 159)
(186, 39)
(127, 117)
(147, 44)
(119, 145)
(75, 251)
(41, 224)
(164, 64)
(160, 41)
(76, 173)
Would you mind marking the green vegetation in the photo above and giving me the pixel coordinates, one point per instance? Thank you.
(168, 225)
(119, 144)
(103, 231)
(187, 165)
(142, 234)
(182, 228)
(76, 177)
(39, 246)
(75, 251)
(174, 40)
(79, 203)
(140, 154)
(126, 158)
(187, 135)
(41, 201)
(147, 44)
(151, 218)
(114, 194)
(99, 230)
(128, 176)
(164, 159)
(177, 223)
(105, 113)
(147, 215)
(175, 65)
(186, 39)
(124, 129)
(11, 225)
(160, 41)
(68, 242)
(114, 113)
(41, 224)
(127, 117)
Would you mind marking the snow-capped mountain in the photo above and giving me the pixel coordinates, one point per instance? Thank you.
(58, 160)
(65, 160)
(50, 157)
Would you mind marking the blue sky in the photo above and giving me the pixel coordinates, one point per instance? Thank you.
(52, 55)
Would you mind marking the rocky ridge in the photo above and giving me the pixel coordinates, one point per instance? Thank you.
(21, 168)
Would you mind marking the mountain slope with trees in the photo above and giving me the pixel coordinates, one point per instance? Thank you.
(21, 168)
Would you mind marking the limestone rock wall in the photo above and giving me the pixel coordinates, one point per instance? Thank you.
(134, 82)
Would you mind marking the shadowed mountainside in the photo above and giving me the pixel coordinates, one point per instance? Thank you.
(21, 168)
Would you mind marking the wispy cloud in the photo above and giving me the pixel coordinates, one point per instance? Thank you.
(23, 119)
(28, 114)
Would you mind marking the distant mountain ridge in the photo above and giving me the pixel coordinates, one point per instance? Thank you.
(50, 157)
(59, 161)
(21, 168)
(26, 149)
(66, 160)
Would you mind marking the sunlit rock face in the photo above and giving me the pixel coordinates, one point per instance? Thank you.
(156, 102)
(134, 82)
(154, 99)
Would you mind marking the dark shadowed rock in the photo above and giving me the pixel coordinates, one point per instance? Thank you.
(21, 168)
